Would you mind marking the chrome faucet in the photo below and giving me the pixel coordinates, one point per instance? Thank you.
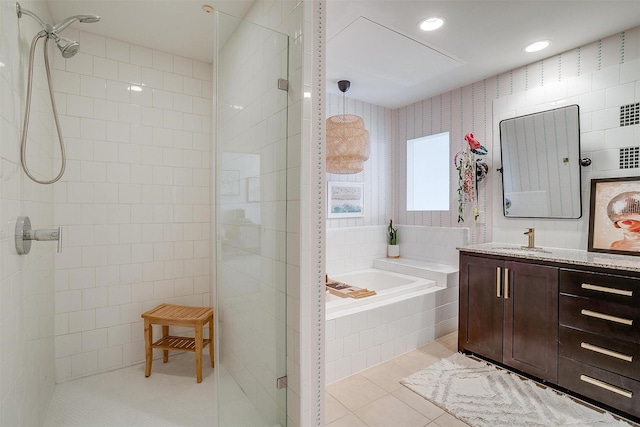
(531, 234)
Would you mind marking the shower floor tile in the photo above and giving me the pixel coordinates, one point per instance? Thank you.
(124, 397)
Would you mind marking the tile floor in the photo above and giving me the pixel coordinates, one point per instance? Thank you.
(171, 397)
(375, 397)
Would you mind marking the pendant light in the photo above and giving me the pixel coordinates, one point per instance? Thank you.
(347, 139)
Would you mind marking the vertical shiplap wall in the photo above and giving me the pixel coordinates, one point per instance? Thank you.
(376, 175)
(458, 112)
(470, 109)
(27, 369)
(135, 201)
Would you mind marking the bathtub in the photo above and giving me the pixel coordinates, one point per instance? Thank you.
(390, 287)
(406, 313)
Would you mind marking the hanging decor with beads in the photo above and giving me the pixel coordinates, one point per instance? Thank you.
(471, 171)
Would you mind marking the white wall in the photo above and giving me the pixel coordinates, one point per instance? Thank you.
(26, 281)
(377, 173)
(600, 77)
(600, 94)
(135, 201)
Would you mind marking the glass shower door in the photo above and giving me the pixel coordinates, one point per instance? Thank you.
(251, 182)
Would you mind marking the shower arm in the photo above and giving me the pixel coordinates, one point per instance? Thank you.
(20, 11)
(52, 30)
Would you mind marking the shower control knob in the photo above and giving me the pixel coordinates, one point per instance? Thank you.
(24, 235)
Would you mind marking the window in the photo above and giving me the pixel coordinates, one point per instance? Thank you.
(428, 173)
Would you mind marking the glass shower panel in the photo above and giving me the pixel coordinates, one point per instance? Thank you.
(251, 182)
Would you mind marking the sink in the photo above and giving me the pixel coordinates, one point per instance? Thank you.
(521, 250)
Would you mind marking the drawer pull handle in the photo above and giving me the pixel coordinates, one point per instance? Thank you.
(597, 288)
(607, 317)
(606, 352)
(498, 287)
(606, 386)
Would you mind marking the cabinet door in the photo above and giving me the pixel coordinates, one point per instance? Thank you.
(531, 319)
(481, 306)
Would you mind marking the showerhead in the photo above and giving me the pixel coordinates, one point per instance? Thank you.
(87, 19)
(67, 47)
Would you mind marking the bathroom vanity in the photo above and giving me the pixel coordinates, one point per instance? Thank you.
(568, 318)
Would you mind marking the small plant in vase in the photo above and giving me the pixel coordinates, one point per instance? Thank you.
(393, 249)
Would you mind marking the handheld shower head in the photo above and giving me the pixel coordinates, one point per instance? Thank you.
(66, 46)
(87, 19)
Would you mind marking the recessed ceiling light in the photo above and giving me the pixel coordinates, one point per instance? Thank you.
(431, 23)
(207, 8)
(537, 46)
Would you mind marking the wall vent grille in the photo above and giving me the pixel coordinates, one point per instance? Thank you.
(630, 114)
(629, 157)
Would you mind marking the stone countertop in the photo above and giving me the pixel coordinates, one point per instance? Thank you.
(565, 256)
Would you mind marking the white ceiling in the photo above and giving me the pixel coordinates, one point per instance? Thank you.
(376, 44)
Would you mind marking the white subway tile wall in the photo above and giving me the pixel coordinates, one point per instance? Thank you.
(356, 248)
(135, 203)
(600, 94)
(27, 370)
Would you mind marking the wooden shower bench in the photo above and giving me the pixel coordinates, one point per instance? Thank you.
(178, 315)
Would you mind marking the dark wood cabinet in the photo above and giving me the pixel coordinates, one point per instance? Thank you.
(509, 313)
(599, 352)
(481, 314)
(575, 326)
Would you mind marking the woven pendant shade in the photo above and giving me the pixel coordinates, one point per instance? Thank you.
(347, 144)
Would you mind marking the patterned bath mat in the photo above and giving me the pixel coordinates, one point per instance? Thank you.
(481, 394)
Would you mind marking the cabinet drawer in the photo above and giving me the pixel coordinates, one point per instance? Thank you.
(601, 317)
(621, 357)
(606, 287)
(608, 388)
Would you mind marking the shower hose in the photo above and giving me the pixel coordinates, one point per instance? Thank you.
(25, 128)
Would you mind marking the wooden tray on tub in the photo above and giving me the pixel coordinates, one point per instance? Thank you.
(347, 291)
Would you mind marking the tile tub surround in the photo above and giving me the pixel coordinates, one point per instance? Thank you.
(432, 244)
(565, 256)
(356, 248)
(443, 274)
(359, 341)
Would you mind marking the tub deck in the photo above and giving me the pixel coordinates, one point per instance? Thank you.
(389, 287)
